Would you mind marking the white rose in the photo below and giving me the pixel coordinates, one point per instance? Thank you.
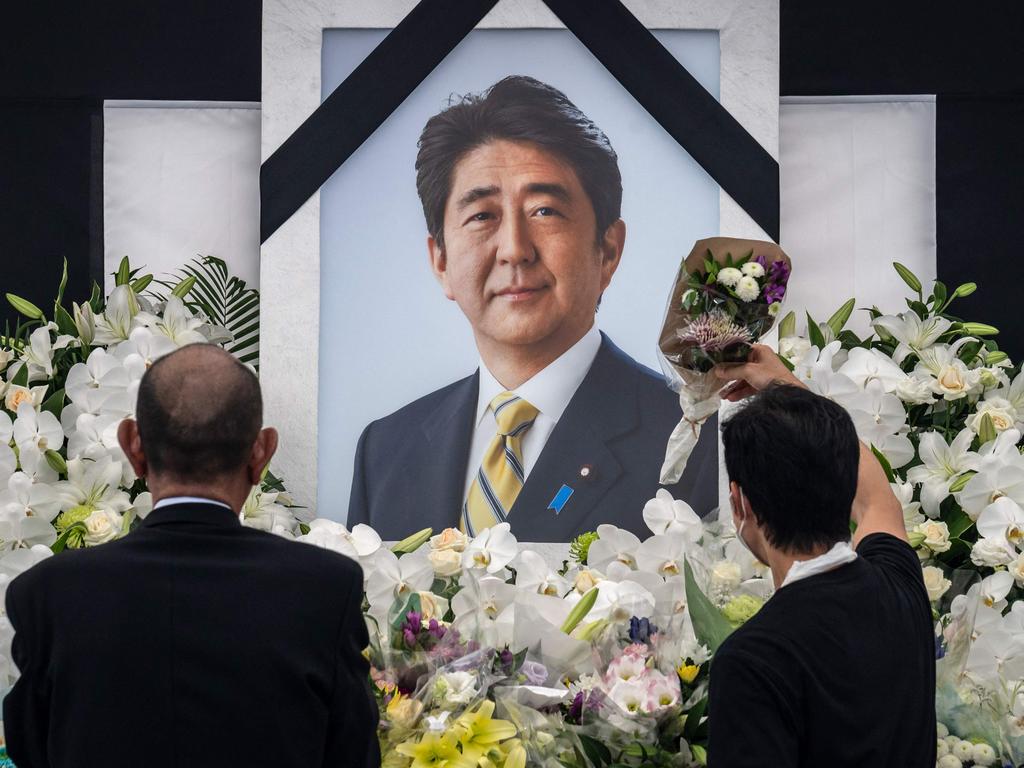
(793, 348)
(752, 269)
(914, 391)
(726, 575)
(729, 277)
(991, 552)
(102, 526)
(936, 535)
(1000, 410)
(432, 606)
(586, 580)
(747, 289)
(446, 562)
(1016, 569)
(449, 539)
(954, 381)
(459, 687)
(935, 582)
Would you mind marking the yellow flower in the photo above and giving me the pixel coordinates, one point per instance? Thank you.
(478, 731)
(688, 672)
(404, 711)
(434, 750)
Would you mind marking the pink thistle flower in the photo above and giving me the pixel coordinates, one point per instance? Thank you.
(715, 331)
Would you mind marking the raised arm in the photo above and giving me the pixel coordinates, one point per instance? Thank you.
(875, 507)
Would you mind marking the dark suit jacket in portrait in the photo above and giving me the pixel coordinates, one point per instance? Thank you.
(192, 642)
(410, 467)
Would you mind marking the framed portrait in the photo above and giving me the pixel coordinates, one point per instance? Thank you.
(356, 317)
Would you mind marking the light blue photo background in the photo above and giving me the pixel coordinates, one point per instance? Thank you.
(387, 334)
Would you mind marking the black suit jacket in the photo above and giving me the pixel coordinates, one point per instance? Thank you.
(410, 467)
(192, 642)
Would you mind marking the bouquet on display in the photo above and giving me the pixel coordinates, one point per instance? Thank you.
(726, 297)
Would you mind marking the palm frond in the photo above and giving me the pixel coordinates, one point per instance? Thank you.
(226, 300)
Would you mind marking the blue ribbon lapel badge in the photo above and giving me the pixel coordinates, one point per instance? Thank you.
(560, 498)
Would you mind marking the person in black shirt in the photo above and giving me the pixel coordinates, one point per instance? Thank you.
(838, 668)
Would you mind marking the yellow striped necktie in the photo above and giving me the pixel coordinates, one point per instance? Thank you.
(500, 477)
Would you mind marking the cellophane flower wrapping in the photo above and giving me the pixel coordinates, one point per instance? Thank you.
(726, 297)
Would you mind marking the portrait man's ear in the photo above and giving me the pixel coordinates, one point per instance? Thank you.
(439, 265)
(611, 246)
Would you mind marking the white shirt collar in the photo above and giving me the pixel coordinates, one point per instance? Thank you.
(166, 502)
(841, 554)
(551, 389)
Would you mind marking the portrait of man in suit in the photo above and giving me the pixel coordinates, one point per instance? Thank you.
(558, 430)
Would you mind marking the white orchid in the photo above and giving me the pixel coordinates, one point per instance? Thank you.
(816, 363)
(663, 554)
(116, 322)
(942, 463)
(37, 431)
(1003, 519)
(389, 578)
(91, 383)
(23, 498)
(876, 414)
(618, 601)
(93, 485)
(864, 366)
(663, 514)
(911, 332)
(995, 588)
(19, 531)
(614, 545)
(492, 550)
(534, 574)
(996, 654)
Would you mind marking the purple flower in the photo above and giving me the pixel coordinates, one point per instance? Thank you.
(535, 672)
(409, 636)
(436, 629)
(640, 630)
(576, 708)
(413, 621)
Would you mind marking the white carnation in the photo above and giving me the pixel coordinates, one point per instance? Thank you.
(747, 289)
(991, 552)
(915, 391)
(729, 277)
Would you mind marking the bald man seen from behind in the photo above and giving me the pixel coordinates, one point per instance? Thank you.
(192, 641)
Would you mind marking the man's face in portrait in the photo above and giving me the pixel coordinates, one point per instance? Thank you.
(521, 255)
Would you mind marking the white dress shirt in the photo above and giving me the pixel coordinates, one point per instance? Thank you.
(166, 502)
(549, 391)
(840, 554)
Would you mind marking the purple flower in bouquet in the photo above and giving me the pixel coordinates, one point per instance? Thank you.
(436, 629)
(535, 672)
(640, 630)
(777, 280)
(715, 331)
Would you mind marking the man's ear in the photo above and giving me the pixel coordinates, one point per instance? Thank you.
(739, 510)
(611, 247)
(131, 444)
(262, 451)
(439, 265)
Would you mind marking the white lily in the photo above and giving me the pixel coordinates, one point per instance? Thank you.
(1003, 518)
(93, 484)
(492, 550)
(866, 365)
(663, 514)
(613, 545)
(911, 509)
(534, 574)
(176, 323)
(115, 323)
(816, 363)
(261, 511)
(38, 355)
(23, 498)
(992, 484)
(912, 333)
(943, 462)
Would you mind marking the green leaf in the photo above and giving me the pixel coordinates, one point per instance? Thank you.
(958, 523)
(597, 753)
(693, 718)
(814, 334)
(786, 362)
(21, 377)
(63, 283)
(55, 403)
(788, 325)
(838, 320)
(96, 298)
(939, 294)
(142, 283)
(65, 323)
(908, 277)
(25, 307)
(412, 604)
(709, 624)
(699, 754)
(886, 466)
(123, 274)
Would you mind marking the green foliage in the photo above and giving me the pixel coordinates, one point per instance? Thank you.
(709, 625)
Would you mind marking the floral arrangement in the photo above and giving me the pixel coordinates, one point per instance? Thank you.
(720, 305)
(943, 409)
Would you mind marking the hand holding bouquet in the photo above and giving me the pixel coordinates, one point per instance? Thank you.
(726, 297)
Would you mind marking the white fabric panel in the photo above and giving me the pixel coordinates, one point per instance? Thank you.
(181, 179)
(857, 193)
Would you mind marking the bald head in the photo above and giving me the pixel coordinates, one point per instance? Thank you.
(199, 412)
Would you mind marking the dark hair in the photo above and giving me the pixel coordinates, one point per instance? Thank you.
(517, 108)
(795, 454)
(198, 415)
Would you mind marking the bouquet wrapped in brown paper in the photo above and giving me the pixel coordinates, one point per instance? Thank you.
(726, 297)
